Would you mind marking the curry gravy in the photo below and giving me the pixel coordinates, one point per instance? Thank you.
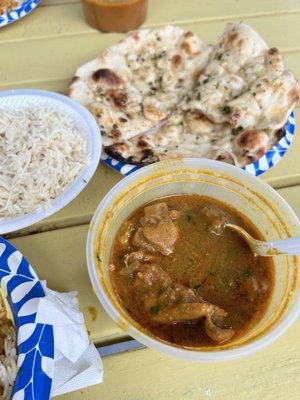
(207, 263)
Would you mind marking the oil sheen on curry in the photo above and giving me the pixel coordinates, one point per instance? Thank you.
(185, 277)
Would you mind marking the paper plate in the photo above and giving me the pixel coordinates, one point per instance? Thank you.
(19, 12)
(270, 158)
(22, 289)
(89, 129)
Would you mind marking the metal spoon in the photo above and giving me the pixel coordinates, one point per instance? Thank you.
(288, 246)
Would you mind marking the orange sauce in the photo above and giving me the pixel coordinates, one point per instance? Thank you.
(220, 269)
(115, 15)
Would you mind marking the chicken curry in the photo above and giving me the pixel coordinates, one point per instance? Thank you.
(185, 277)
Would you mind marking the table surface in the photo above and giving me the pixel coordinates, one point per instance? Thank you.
(42, 51)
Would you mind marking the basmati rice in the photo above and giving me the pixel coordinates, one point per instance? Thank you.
(41, 153)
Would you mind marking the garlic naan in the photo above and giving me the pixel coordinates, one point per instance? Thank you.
(134, 85)
(164, 93)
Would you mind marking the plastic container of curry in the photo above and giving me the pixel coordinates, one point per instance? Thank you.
(252, 197)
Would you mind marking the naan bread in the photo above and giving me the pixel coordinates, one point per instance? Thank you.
(186, 134)
(164, 93)
(135, 84)
(266, 104)
(246, 86)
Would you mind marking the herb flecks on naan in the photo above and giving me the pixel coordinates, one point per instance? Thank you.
(254, 93)
(134, 85)
(185, 134)
(165, 94)
(245, 86)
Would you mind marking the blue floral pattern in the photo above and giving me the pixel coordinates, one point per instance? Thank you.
(258, 167)
(22, 289)
(19, 12)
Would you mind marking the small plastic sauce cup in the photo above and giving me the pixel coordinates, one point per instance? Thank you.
(115, 15)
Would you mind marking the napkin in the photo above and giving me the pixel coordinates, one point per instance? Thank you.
(77, 363)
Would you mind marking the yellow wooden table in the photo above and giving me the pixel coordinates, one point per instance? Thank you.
(42, 51)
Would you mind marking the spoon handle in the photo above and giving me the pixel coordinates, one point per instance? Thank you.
(287, 246)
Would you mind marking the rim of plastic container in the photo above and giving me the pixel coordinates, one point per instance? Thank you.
(220, 355)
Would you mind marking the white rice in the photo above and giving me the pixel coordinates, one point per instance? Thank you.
(8, 354)
(41, 153)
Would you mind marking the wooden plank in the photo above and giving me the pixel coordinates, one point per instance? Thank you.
(74, 42)
(65, 19)
(50, 75)
(50, 3)
(292, 196)
(59, 258)
(60, 73)
(271, 374)
(63, 33)
(210, 6)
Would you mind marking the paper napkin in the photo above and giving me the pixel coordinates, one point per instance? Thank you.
(77, 363)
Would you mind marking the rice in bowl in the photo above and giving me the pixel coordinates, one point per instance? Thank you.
(42, 151)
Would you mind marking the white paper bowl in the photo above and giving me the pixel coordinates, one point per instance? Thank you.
(251, 196)
(89, 128)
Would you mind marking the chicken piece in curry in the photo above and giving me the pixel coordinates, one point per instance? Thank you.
(185, 277)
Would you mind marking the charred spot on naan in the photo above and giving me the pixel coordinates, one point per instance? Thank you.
(142, 156)
(251, 145)
(119, 98)
(198, 122)
(187, 48)
(74, 79)
(119, 151)
(278, 135)
(177, 62)
(227, 157)
(293, 96)
(135, 35)
(115, 134)
(107, 77)
(234, 115)
(142, 143)
(152, 112)
(273, 61)
(147, 156)
(251, 139)
(70, 89)
(188, 34)
(232, 36)
(95, 109)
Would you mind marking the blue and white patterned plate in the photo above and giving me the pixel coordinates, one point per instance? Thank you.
(19, 12)
(258, 167)
(22, 289)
